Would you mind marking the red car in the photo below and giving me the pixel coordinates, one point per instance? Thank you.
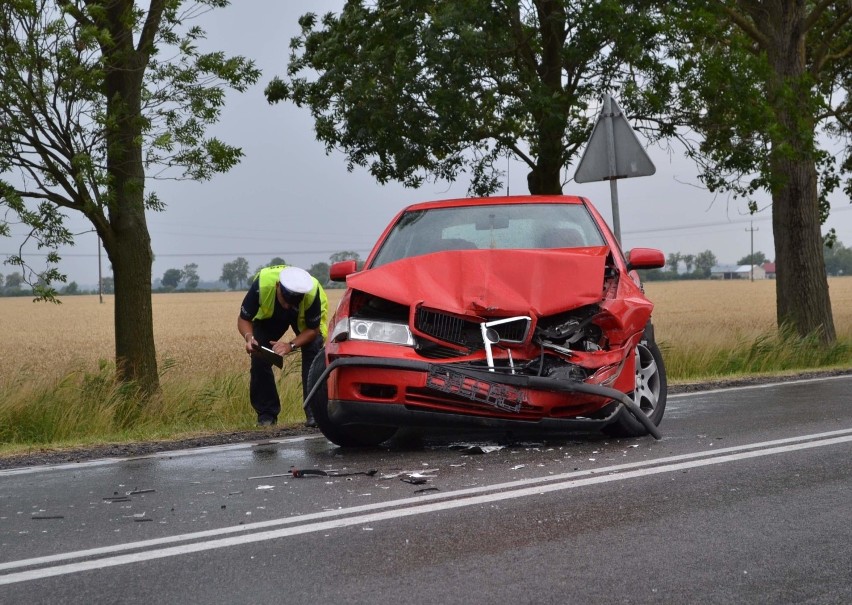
(505, 313)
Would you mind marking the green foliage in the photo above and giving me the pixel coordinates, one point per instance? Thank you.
(320, 272)
(704, 262)
(420, 91)
(171, 278)
(65, 124)
(740, 87)
(758, 258)
(235, 273)
(190, 276)
(838, 259)
(344, 255)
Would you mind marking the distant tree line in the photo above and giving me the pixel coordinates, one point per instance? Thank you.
(236, 275)
(837, 257)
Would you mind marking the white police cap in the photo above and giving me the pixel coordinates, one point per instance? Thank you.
(296, 280)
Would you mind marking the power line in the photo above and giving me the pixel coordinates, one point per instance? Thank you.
(208, 254)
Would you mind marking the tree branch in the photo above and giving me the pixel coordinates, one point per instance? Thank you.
(823, 53)
(151, 27)
(816, 13)
(747, 26)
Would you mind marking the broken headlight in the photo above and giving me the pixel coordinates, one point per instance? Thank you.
(374, 331)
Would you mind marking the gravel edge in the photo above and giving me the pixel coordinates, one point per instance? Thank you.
(46, 456)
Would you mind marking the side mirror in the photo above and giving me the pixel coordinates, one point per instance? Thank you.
(645, 258)
(340, 270)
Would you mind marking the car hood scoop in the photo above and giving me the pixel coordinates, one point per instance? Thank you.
(496, 283)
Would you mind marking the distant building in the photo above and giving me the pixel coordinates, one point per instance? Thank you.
(737, 272)
(769, 268)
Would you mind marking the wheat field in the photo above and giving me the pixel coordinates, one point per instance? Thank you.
(197, 339)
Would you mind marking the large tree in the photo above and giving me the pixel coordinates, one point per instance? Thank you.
(235, 273)
(95, 96)
(764, 83)
(420, 89)
(427, 89)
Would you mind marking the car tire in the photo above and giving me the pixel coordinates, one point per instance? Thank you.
(356, 435)
(650, 390)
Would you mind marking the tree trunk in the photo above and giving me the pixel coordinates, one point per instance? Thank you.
(135, 352)
(801, 290)
(127, 241)
(551, 115)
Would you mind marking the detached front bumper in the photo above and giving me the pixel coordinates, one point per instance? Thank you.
(359, 412)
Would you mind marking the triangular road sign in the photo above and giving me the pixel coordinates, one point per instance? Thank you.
(613, 150)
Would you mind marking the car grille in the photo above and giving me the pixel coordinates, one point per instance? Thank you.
(450, 328)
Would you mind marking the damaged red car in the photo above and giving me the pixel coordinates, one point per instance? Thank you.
(511, 314)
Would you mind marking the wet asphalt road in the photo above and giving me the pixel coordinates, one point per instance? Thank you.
(746, 499)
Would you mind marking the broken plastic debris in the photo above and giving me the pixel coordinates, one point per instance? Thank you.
(332, 473)
(426, 489)
(308, 471)
(477, 448)
(265, 487)
(413, 480)
(269, 476)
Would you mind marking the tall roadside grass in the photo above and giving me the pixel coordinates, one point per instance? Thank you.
(56, 373)
(721, 329)
(85, 408)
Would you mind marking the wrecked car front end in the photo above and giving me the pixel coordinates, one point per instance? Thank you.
(504, 338)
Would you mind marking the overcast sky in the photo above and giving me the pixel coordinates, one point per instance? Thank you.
(289, 199)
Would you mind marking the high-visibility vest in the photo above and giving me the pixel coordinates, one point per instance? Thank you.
(268, 282)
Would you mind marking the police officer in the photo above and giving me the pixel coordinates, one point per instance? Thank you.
(281, 297)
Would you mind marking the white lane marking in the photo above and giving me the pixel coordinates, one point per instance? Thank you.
(517, 492)
(767, 385)
(412, 500)
(212, 449)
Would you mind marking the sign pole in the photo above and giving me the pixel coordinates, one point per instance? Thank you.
(613, 171)
(612, 133)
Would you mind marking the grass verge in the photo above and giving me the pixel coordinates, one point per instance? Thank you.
(85, 408)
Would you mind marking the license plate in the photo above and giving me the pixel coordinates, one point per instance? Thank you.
(494, 394)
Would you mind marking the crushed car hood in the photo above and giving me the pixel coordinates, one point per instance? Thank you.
(491, 282)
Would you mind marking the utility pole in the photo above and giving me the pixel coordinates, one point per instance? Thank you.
(752, 229)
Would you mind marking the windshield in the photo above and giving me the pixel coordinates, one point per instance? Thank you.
(504, 226)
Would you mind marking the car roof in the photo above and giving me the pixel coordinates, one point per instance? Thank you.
(498, 200)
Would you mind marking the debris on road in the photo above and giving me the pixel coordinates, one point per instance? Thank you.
(299, 473)
(413, 480)
(475, 448)
(269, 476)
(426, 489)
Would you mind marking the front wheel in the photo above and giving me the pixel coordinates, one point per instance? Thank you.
(356, 435)
(649, 394)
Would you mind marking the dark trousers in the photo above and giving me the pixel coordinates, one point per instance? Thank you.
(263, 392)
